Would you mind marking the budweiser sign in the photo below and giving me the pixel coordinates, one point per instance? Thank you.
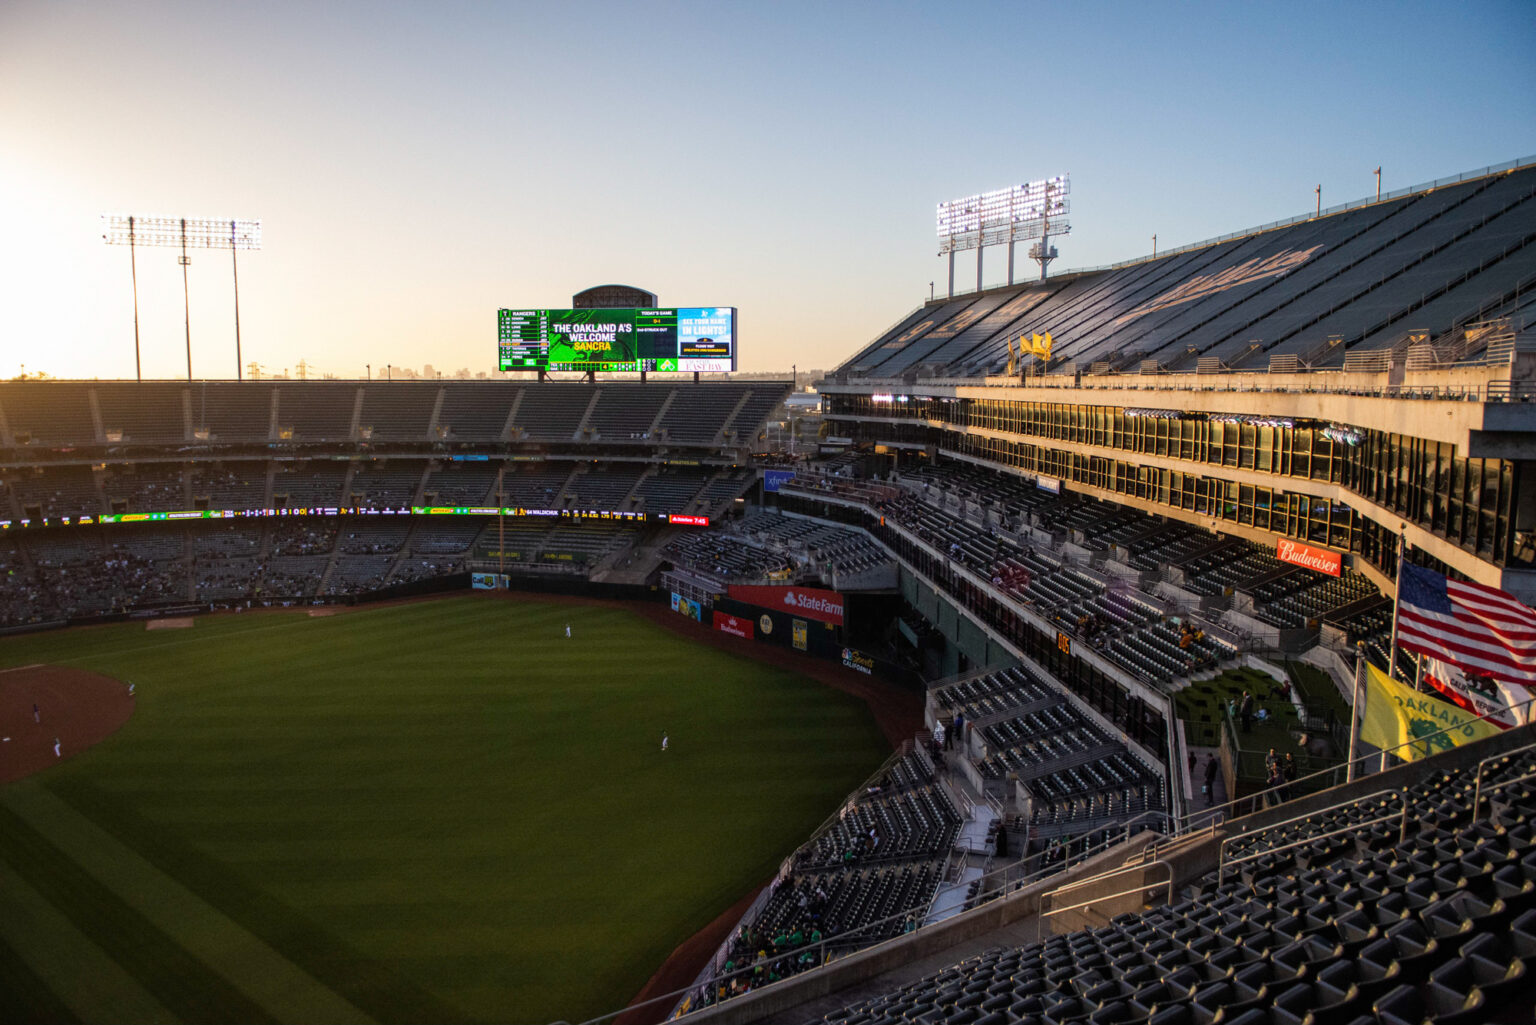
(810, 602)
(733, 625)
(1298, 554)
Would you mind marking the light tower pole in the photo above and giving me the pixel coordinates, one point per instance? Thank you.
(186, 294)
(183, 233)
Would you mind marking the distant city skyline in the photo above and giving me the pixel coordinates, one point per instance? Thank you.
(415, 167)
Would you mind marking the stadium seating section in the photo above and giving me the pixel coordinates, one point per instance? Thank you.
(1413, 905)
(1427, 262)
(113, 448)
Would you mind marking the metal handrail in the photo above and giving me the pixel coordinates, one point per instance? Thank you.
(1221, 858)
(1477, 790)
(1044, 914)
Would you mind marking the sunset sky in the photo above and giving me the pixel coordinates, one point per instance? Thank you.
(415, 166)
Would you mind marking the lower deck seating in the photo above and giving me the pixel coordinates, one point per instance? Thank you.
(1361, 926)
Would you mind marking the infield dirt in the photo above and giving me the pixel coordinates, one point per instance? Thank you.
(77, 708)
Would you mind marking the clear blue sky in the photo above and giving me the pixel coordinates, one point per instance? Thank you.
(417, 166)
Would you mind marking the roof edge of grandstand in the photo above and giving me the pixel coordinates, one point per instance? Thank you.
(1060, 277)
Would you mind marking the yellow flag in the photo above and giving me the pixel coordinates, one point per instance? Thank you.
(1040, 345)
(1396, 714)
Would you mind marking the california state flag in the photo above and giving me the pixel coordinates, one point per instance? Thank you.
(1480, 695)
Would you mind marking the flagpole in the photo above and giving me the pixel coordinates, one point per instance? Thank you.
(1397, 599)
(1354, 712)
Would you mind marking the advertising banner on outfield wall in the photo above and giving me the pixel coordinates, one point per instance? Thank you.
(811, 602)
(736, 626)
(858, 661)
(687, 607)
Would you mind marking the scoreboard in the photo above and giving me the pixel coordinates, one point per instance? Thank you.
(672, 340)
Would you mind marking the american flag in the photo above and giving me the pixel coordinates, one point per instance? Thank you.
(1481, 629)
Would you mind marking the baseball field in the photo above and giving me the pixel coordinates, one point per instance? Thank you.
(430, 812)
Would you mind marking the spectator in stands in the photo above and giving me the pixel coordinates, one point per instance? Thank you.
(1275, 783)
(1245, 710)
(1210, 781)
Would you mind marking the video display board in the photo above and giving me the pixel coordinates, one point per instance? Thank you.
(697, 338)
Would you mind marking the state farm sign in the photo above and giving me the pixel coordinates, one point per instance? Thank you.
(810, 602)
(1298, 554)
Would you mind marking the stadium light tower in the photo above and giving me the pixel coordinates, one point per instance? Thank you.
(194, 232)
(1035, 210)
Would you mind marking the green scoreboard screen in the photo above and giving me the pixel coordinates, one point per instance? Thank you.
(673, 340)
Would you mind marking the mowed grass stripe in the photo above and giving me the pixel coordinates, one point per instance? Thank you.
(449, 811)
(24, 997)
(364, 982)
(286, 992)
(47, 964)
(187, 987)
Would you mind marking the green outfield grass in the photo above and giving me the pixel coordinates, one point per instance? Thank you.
(442, 811)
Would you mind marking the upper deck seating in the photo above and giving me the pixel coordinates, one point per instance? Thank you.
(138, 414)
(476, 412)
(398, 411)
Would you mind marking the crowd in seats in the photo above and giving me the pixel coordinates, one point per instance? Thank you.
(59, 491)
(85, 571)
(353, 573)
(385, 487)
(310, 485)
(1339, 917)
(448, 535)
(220, 581)
(373, 537)
(424, 568)
(233, 486)
(147, 488)
(304, 536)
(457, 484)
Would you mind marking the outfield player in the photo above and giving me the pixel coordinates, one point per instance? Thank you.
(663, 741)
(56, 748)
(567, 630)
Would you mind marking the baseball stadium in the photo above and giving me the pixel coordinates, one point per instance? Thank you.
(1147, 643)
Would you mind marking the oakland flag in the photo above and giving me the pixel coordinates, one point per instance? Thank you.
(1396, 714)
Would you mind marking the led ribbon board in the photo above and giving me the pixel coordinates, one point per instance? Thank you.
(653, 340)
(515, 512)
